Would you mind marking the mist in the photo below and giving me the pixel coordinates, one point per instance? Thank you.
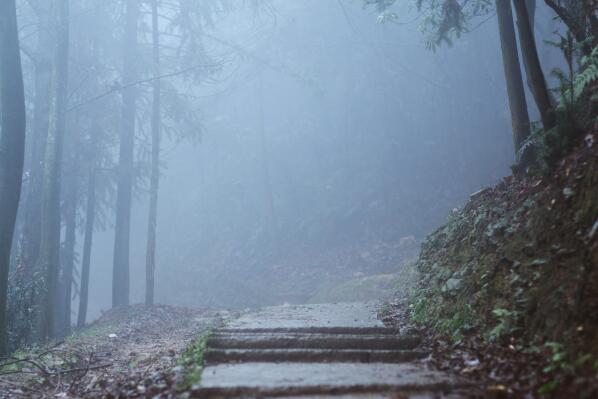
(310, 153)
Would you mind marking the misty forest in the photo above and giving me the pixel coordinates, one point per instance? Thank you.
(298, 198)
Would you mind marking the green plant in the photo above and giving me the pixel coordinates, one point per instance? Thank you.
(507, 323)
(192, 359)
(575, 111)
(464, 319)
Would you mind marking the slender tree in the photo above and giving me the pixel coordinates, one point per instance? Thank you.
(31, 233)
(49, 254)
(90, 206)
(12, 145)
(88, 236)
(150, 261)
(120, 272)
(531, 61)
(512, 70)
(71, 201)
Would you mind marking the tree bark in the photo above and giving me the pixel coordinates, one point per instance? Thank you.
(120, 272)
(12, 146)
(150, 261)
(87, 244)
(31, 235)
(90, 210)
(70, 218)
(533, 69)
(511, 66)
(49, 254)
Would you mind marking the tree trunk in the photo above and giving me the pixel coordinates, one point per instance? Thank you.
(87, 242)
(31, 235)
(49, 254)
(120, 272)
(150, 261)
(515, 91)
(71, 202)
(90, 210)
(533, 69)
(12, 146)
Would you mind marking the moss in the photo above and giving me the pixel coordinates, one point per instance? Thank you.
(523, 260)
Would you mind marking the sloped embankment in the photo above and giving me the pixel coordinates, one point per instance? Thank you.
(520, 260)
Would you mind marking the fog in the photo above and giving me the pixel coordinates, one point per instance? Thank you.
(318, 146)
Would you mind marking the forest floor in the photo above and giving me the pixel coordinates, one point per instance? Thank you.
(322, 350)
(127, 352)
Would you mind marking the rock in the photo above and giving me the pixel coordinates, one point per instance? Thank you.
(452, 284)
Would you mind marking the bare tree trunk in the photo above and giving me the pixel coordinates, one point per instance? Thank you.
(150, 260)
(31, 235)
(90, 210)
(533, 69)
(12, 146)
(87, 243)
(516, 93)
(122, 236)
(70, 217)
(49, 255)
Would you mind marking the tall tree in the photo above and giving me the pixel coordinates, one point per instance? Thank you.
(88, 235)
(31, 234)
(122, 234)
(49, 254)
(515, 91)
(531, 61)
(92, 160)
(12, 145)
(71, 202)
(150, 262)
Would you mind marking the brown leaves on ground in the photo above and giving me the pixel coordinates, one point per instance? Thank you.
(507, 368)
(128, 352)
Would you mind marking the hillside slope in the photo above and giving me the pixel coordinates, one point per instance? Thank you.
(518, 267)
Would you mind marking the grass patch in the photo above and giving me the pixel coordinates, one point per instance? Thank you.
(193, 361)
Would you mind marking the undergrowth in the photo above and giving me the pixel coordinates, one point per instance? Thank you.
(192, 360)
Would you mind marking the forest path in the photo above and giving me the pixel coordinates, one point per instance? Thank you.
(319, 351)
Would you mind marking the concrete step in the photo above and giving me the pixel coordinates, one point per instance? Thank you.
(311, 341)
(259, 380)
(311, 355)
(313, 330)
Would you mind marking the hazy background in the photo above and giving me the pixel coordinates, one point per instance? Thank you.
(325, 140)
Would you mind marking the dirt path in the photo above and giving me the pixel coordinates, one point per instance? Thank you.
(333, 350)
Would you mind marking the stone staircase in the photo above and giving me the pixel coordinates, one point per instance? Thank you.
(295, 352)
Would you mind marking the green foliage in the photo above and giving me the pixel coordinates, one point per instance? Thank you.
(23, 307)
(507, 323)
(588, 75)
(193, 361)
(462, 317)
(463, 320)
(443, 20)
(575, 111)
